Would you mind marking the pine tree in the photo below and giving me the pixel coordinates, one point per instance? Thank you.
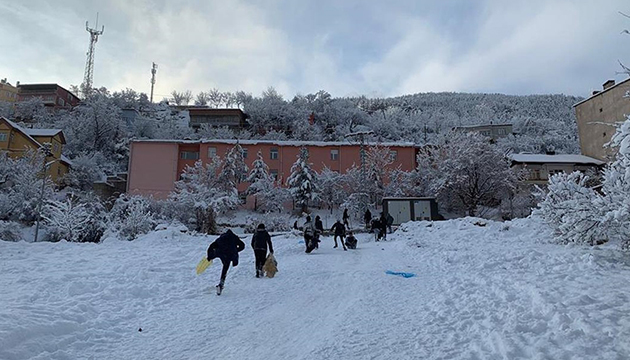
(260, 180)
(234, 169)
(301, 182)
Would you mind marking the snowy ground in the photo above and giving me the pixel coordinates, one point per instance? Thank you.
(491, 292)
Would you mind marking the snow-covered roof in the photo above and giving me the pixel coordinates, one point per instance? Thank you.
(279, 142)
(557, 159)
(21, 129)
(42, 132)
(66, 160)
(601, 92)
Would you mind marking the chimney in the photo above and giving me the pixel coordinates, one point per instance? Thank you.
(3, 81)
(608, 84)
(595, 92)
(17, 84)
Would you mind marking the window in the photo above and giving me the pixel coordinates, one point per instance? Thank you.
(502, 131)
(243, 198)
(59, 170)
(485, 133)
(334, 154)
(554, 172)
(534, 175)
(55, 148)
(212, 152)
(274, 173)
(393, 154)
(189, 155)
(273, 154)
(244, 153)
(601, 109)
(3, 136)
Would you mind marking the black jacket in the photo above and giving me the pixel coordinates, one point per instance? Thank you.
(261, 239)
(319, 225)
(368, 216)
(339, 229)
(226, 247)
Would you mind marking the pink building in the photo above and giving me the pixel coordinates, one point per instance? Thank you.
(155, 165)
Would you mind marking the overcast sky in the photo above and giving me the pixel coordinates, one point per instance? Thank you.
(346, 47)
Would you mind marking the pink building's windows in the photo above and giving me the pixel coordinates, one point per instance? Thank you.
(189, 155)
(273, 154)
(274, 173)
(244, 153)
(334, 154)
(212, 152)
(393, 154)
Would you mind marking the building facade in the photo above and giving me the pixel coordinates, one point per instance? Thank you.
(234, 119)
(541, 167)
(8, 92)
(53, 95)
(155, 165)
(17, 140)
(597, 115)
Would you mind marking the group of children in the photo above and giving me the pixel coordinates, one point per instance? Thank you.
(313, 230)
(227, 246)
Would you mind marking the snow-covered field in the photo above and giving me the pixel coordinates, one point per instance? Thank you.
(480, 292)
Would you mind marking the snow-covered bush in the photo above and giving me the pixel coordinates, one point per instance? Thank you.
(573, 210)
(69, 218)
(132, 216)
(10, 231)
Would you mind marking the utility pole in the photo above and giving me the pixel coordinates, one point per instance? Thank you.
(46, 151)
(153, 71)
(89, 63)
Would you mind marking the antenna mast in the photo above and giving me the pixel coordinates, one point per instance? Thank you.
(153, 71)
(89, 63)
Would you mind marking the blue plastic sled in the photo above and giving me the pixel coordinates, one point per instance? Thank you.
(398, 273)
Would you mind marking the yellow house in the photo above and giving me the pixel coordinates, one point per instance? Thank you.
(8, 92)
(15, 140)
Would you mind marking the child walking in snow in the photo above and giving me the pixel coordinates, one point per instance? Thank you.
(226, 247)
(260, 241)
(340, 232)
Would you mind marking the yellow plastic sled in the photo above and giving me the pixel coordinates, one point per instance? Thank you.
(203, 265)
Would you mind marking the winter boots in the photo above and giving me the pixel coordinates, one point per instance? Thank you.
(219, 288)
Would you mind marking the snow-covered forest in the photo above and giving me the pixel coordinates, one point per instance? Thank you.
(98, 136)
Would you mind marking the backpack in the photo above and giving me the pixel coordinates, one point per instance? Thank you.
(308, 231)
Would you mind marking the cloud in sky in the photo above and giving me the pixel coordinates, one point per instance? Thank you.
(347, 47)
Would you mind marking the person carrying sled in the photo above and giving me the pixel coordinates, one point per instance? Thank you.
(309, 235)
(345, 218)
(351, 241)
(260, 241)
(339, 231)
(226, 247)
(367, 217)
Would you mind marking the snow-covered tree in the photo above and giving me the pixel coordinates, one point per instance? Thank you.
(181, 98)
(199, 190)
(259, 179)
(132, 216)
(331, 188)
(466, 172)
(21, 186)
(302, 181)
(377, 161)
(573, 210)
(68, 218)
(356, 204)
(234, 169)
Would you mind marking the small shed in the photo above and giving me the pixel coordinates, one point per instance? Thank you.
(404, 209)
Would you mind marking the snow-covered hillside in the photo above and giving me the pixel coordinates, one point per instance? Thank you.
(498, 291)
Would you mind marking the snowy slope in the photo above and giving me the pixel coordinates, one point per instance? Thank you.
(498, 291)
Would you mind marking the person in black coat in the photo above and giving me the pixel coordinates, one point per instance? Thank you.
(367, 218)
(340, 231)
(226, 247)
(383, 225)
(319, 226)
(260, 241)
(345, 218)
